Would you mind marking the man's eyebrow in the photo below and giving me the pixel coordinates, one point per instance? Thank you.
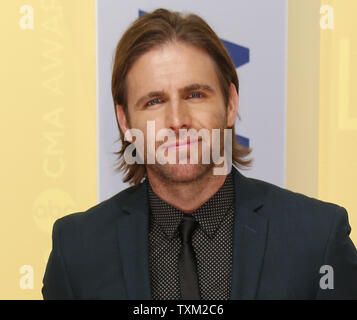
(149, 95)
(197, 86)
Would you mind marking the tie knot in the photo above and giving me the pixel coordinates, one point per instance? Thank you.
(187, 227)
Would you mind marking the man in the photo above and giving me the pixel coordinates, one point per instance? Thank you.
(182, 231)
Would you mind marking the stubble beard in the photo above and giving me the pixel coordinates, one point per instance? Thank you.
(186, 173)
(181, 173)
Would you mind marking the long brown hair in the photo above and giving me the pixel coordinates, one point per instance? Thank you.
(155, 29)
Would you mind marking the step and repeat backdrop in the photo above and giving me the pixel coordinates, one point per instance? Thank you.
(296, 62)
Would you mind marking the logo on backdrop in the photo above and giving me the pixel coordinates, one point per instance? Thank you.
(240, 57)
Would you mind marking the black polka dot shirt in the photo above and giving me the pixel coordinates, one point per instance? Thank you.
(212, 242)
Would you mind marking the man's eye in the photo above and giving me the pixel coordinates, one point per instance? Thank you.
(153, 102)
(196, 95)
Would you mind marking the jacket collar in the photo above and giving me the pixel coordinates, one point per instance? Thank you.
(249, 240)
(133, 229)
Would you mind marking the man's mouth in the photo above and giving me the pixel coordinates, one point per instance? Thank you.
(183, 144)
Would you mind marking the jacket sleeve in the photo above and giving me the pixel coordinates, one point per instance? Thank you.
(341, 255)
(56, 284)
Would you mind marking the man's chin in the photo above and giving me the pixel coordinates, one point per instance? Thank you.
(181, 173)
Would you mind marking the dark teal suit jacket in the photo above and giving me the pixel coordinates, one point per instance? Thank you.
(281, 240)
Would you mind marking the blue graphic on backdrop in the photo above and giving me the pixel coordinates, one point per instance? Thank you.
(240, 56)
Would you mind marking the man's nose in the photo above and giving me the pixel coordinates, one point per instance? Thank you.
(178, 116)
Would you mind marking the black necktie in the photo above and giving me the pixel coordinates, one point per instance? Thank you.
(187, 260)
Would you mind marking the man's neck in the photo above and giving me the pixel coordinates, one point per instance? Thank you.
(186, 197)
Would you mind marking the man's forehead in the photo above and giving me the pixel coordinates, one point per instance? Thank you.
(179, 67)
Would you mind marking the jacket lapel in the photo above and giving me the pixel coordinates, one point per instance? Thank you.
(249, 239)
(133, 244)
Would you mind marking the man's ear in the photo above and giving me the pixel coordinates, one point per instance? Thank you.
(123, 121)
(232, 108)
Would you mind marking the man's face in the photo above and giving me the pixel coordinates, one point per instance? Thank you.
(177, 87)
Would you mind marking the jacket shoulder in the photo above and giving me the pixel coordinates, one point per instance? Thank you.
(282, 202)
(95, 217)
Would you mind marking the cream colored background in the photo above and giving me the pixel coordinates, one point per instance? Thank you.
(337, 164)
(47, 130)
(322, 104)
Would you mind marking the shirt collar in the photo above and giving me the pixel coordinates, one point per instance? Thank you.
(209, 215)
